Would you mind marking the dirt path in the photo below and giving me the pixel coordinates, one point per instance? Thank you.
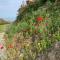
(3, 55)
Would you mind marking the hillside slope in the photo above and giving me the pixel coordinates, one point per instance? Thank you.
(35, 35)
(2, 21)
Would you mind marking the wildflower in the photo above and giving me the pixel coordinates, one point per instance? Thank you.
(38, 44)
(21, 55)
(1, 46)
(39, 18)
(10, 46)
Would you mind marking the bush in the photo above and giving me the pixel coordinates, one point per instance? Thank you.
(44, 23)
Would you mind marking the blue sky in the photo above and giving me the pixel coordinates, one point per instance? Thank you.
(8, 8)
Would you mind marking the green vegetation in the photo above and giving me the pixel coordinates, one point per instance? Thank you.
(3, 27)
(43, 22)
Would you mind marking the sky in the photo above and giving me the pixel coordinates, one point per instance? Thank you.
(8, 8)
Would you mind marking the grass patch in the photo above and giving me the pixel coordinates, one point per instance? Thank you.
(3, 27)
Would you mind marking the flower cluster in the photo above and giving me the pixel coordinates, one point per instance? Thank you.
(10, 46)
(40, 27)
(39, 19)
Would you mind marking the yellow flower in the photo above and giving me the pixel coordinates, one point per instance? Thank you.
(27, 44)
(38, 43)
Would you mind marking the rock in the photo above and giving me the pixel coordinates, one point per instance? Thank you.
(52, 54)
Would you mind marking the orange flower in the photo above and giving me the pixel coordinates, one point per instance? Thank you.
(10, 46)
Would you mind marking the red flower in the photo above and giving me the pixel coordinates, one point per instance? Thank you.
(39, 18)
(1, 46)
(10, 46)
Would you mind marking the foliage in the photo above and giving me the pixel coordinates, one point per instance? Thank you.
(43, 23)
(22, 11)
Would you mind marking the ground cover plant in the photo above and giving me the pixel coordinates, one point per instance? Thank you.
(36, 32)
